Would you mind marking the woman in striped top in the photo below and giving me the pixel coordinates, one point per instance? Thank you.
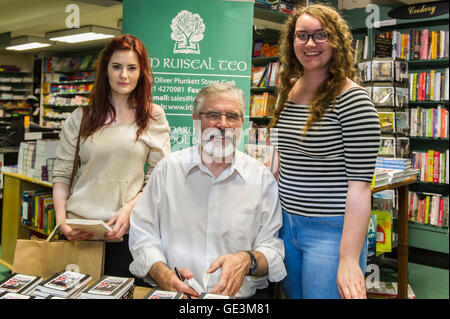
(326, 131)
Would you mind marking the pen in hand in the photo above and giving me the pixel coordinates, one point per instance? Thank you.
(180, 276)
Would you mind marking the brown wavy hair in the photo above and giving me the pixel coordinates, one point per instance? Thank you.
(340, 66)
(100, 109)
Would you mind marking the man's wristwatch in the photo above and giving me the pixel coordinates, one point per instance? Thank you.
(254, 264)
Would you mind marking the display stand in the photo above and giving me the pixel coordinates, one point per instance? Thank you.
(402, 246)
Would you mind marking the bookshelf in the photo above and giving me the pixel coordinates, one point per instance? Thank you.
(423, 236)
(67, 82)
(15, 86)
(12, 227)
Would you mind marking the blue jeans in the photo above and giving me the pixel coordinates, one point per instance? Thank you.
(312, 256)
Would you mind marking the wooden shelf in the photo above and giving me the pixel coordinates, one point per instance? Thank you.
(29, 179)
(407, 181)
(12, 227)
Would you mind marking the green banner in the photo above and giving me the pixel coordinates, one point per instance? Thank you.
(191, 44)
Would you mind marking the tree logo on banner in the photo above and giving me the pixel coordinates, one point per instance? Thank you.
(187, 31)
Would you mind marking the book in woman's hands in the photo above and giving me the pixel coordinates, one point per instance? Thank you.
(96, 226)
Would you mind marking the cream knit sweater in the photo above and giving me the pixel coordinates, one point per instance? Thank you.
(112, 164)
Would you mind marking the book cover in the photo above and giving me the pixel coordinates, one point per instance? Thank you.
(257, 105)
(387, 290)
(436, 164)
(257, 46)
(256, 74)
(372, 240)
(383, 96)
(424, 44)
(12, 295)
(64, 283)
(162, 294)
(205, 295)
(108, 287)
(384, 231)
(387, 146)
(382, 71)
(387, 122)
(402, 147)
(430, 166)
(19, 283)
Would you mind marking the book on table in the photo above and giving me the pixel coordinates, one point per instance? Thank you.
(163, 294)
(19, 283)
(64, 283)
(109, 287)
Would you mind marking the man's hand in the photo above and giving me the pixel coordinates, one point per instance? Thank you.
(234, 269)
(168, 280)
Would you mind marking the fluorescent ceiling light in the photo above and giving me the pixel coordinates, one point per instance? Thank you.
(83, 34)
(28, 43)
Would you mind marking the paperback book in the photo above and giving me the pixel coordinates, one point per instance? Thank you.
(13, 295)
(387, 290)
(162, 294)
(205, 295)
(19, 283)
(96, 226)
(109, 287)
(64, 283)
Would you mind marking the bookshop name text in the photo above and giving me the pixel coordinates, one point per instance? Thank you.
(198, 64)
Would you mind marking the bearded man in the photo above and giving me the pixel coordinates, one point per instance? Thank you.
(210, 210)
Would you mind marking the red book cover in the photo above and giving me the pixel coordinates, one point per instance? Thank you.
(411, 201)
(441, 211)
(444, 122)
(436, 167)
(424, 44)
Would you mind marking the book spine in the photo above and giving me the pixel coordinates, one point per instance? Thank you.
(411, 203)
(430, 166)
(427, 210)
(436, 167)
(441, 211)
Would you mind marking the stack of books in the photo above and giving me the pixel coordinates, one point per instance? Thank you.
(110, 287)
(13, 295)
(392, 170)
(19, 283)
(66, 284)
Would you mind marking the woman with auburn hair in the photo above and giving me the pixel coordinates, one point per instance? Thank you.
(120, 131)
(326, 132)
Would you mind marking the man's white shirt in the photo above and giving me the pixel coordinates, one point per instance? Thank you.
(187, 218)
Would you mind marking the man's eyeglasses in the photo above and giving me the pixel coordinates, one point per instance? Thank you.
(318, 37)
(232, 117)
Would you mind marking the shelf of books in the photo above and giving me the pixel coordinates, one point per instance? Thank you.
(16, 84)
(422, 45)
(66, 84)
(27, 196)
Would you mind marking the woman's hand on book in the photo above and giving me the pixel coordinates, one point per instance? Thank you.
(121, 222)
(74, 234)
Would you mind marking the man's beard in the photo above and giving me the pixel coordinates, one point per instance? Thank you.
(213, 146)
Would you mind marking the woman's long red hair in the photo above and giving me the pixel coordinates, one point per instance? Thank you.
(95, 115)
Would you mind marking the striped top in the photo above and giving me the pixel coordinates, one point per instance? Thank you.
(343, 146)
